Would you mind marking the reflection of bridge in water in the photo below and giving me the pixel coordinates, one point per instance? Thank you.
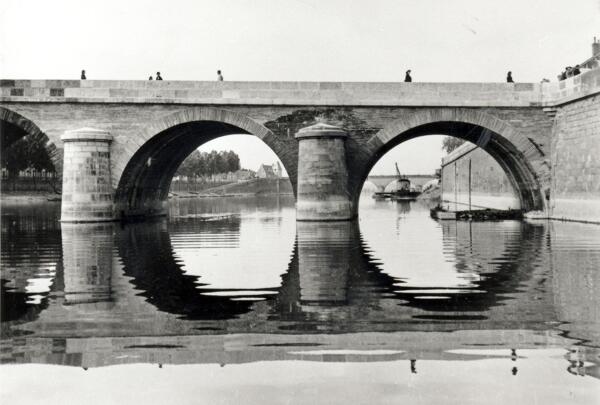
(120, 296)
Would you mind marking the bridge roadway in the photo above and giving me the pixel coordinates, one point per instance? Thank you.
(142, 130)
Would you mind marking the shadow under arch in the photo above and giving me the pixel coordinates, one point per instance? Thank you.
(521, 160)
(143, 170)
(14, 126)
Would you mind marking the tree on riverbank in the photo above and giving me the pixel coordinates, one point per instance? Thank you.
(26, 153)
(450, 143)
(200, 164)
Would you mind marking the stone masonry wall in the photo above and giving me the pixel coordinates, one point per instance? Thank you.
(575, 193)
(127, 122)
(131, 125)
(490, 187)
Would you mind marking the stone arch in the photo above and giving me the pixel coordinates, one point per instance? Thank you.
(388, 184)
(14, 126)
(521, 160)
(377, 187)
(144, 165)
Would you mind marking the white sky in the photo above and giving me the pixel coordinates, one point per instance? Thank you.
(313, 40)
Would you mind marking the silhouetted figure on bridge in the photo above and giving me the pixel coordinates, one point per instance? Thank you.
(150, 78)
(509, 78)
(576, 70)
(407, 77)
(83, 75)
(514, 371)
(563, 75)
(219, 76)
(158, 76)
(413, 366)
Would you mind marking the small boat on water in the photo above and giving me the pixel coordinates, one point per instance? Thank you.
(404, 192)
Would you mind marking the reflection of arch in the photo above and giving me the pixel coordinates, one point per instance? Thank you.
(370, 294)
(144, 167)
(148, 257)
(14, 126)
(521, 161)
(505, 264)
(31, 229)
(332, 276)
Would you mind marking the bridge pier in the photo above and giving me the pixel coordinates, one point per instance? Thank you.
(323, 175)
(87, 194)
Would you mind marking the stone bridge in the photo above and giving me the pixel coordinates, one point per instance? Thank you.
(118, 143)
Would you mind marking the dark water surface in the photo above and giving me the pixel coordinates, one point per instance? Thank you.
(232, 301)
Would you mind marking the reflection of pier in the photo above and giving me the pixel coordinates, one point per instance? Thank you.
(324, 261)
(87, 261)
(332, 285)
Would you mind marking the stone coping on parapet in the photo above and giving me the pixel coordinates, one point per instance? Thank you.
(302, 93)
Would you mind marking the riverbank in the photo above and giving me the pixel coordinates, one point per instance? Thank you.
(28, 196)
(433, 194)
(251, 187)
(239, 189)
(192, 194)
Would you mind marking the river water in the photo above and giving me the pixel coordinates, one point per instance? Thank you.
(232, 301)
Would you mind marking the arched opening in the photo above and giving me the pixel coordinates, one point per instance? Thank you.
(143, 186)
(508, 150)
(23, 145)
(231, 165)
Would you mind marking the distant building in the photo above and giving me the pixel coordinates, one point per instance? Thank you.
(265, 172)
(273, 171)
(277, 170)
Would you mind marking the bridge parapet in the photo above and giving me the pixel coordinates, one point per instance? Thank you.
(303, 93)
(573, 88)
(274, 93)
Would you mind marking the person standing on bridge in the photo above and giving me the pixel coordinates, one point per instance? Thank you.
(509, 78)
(83, 75)
(158, 76)
(407, 77)
(219, 76)
(150, 78)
